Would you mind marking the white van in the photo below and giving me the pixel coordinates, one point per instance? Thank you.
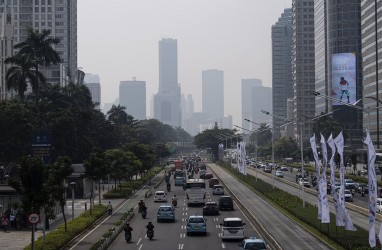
(232, 228)
(379, 205)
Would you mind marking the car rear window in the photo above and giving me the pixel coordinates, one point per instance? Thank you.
(196, 220)
(159, 193)
(233, 224)
(255, 245)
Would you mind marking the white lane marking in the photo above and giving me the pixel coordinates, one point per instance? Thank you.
(220, 235)
(223, 245)
(140, 247)
(139, 241)
(180, 246)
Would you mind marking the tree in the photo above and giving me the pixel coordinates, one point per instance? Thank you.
(144, 153)
(117, 114)
(263, 136)
(285, 147)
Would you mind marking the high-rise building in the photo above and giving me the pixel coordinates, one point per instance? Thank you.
(247, 112)
(371, 19)
(94, 86)
(213, 94)
(282, 85)
(58, 16)
(261, 100)
(338, 64)
(132, 95)
(303, 63)
(6, 50)
(167, 101)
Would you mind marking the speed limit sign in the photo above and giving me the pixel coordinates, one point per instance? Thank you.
(34, 218)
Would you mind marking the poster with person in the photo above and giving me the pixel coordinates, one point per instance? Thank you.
(344, 81)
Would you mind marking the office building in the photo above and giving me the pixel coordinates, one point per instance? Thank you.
(247, 86)
(371, 20)
(282, 85)
(338, 64)
(303, 63)
(213, 94)
(262, 100)
(58, 16)
(94, 86)
(6, 50)
(167, 101)
(132, 95)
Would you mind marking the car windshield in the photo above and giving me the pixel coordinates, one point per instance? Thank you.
(165, 209)
(347, 192)
(216, 186)
(233, 224)
(255, 245)
(159, 193)
(196, 220)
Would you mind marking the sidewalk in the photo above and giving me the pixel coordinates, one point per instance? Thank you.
(17, 240)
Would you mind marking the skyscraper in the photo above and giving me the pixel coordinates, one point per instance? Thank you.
(261, 100)
(94, 86)
(167, 101)
(371, 19)
(6, 50)
(58, 16)
(338, 64)
(132, 95)
(247, 110)
(282, 85)
(303, 63)
(213, 94)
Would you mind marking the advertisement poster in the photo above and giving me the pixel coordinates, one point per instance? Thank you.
(344, 78)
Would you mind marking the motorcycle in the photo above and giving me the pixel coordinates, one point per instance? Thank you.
(144, 213)
(168, 188)
(150, 234)
(109, 211)
(174, 202)
(128, 236)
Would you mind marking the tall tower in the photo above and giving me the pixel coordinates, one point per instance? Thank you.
(132, 95)
(6, 50)
(213, 94)
(247, 110)
(94, 86)
(58, 16)
(371, 19)
(303, 63)
(282, 85)
(167, 101)
(338, 64)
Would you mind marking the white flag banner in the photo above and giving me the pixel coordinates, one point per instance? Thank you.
(340, 221)
(315, 154)
(372, 188)
(238, 155)
(243, 159)
(339, 141)
(323, 188)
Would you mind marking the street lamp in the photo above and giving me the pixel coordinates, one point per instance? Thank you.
(72, 184)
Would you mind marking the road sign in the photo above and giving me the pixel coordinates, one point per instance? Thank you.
(34, 218)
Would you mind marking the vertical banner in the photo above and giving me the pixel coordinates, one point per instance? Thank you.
(237, 155)
(221, 152)
(337, 208)
(323, 188)
(243, 168)
(372, 188)
(315, 155)
(339, 141)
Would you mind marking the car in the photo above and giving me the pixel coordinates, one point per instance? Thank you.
(225, 202)
(213, 182)
(360, 186)
(196, 224)
(208, 176)
(232, 228)
(253, 243)
(305, 182)
(349, 184)
(348, 195)
(280, 174)
(179, 181)
(211, 208)
(379, 205)
(202, 174)
(160, 196)
(337, 185)
(166, 212)
(283, 168)
(218, 190)
(268, 169)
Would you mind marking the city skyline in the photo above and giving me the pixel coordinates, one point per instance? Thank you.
(242, 49)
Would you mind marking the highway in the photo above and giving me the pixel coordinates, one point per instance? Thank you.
(287, 233)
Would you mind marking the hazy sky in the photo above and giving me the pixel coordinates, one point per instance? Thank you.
(118, 40)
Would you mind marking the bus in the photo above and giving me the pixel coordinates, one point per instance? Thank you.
(195, 191)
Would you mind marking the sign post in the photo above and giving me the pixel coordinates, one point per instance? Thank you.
(33, 218)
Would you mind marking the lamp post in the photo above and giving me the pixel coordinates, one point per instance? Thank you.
(72, 184)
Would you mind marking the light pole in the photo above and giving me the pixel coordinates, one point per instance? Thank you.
(72, 184)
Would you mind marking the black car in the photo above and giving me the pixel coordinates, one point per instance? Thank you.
(225, 203)
(211, 208)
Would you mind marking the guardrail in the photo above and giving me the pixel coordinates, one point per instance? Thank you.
(265, 234)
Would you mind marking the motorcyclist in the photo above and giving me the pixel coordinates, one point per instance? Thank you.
(109, 208)
(150, 227)
(174, 200)
(142, 206)
(168, 186)
(128, 229)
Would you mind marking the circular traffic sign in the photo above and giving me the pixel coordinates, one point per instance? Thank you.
(34, 218)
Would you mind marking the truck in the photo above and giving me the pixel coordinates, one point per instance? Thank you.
(178, 165)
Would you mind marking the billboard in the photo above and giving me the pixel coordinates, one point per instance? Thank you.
(344, 82)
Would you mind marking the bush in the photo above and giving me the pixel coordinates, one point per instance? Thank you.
(118, 193)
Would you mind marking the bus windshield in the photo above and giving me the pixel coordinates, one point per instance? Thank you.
(195, 183)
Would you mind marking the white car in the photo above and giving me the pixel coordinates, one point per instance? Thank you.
(160, 196)
(279, 174)
(284, 168)
(305, 182)
(218, 190)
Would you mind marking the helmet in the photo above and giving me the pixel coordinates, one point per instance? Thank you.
(141, 200)
(127, 223)
(149, 222)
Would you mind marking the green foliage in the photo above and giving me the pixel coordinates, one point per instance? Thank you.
(58, 238)
(285, 147)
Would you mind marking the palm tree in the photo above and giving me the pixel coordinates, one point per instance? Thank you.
(117, 114)
(20, 74)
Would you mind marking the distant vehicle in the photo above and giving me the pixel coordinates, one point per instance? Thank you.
(213, 182)
(178, 165)
(195, 191)
(305, 182)
(211, 208)
(360, 186)
(208, 176)
(348, 195)
(160, 196)
(280, 174)
(253, 243)
(225, 202)
(202, 174)
(232, 229)
(283, 168)
(179, 181)
(268, 169)
(218, 190)
(166, 212)
(196, 224)
(379, 205)
(349, 184)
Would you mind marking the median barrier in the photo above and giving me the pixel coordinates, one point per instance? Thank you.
(265, 234)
